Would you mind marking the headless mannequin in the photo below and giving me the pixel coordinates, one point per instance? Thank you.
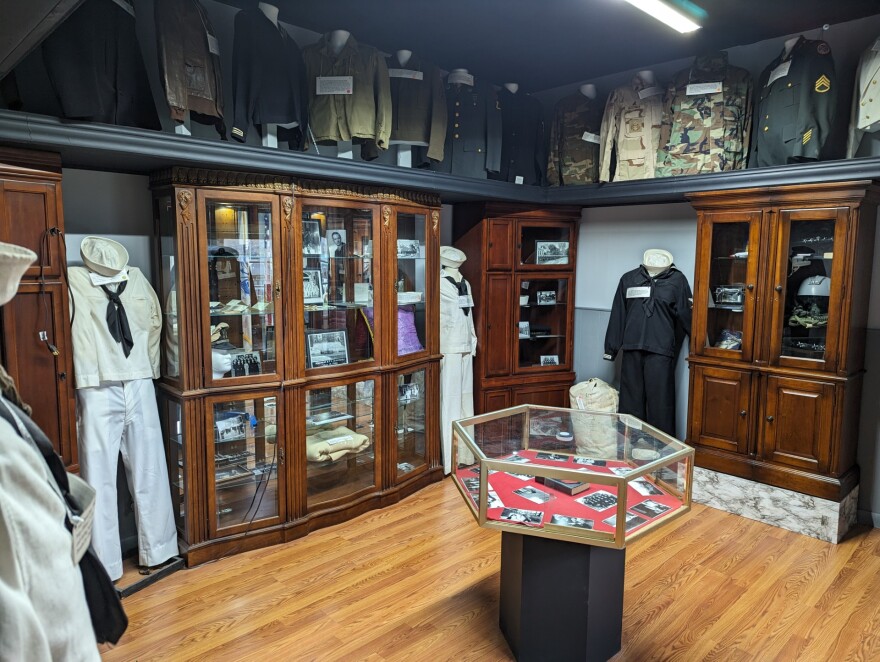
(513, 88)
(460, 77)
(337, 39)
(588, 90)
(649, 82)
(403, 56)
(404, 149)
(656, 261)
(270, 131)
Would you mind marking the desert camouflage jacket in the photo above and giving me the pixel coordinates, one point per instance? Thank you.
(574, 146)
(630, 130)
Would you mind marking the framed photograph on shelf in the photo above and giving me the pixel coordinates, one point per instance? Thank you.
(549, 359)
(313, 286)
(326, 348)
(336, 246)
(407, 393)
(546, 298)
(551, 252)
(408, 248)
(311, 237)
(231, 429)
(524, 330)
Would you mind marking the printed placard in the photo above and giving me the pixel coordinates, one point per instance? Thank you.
(213, 44)
(650, 92)
(638, 292)
(334, 85)
(779, 72)
(465, 301)
(591, 137)
(98, 279)
(460, 79)
(695, 89)
(518, 179)
(412, 74)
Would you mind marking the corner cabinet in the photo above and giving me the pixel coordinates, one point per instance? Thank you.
(300, 345)
(520, 264)
(780, 307)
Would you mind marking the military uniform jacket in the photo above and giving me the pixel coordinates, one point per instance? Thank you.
(572, 159)
(631, 128)
(705, 131)
(268, 76)
(649, 314)
(473, 134)
(866, 99)
(522, 139)
(418, 107)
(795, 111)
(365, 114)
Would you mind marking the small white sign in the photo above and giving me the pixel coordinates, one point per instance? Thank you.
(696, 89)
(650, 92)
(334, 85)
(213, 44)
(638, 292)
(518, 179)
(98, 279)
(406, 73)
(339, 440)
(465, 301)
(591, 137)
(779, 72)
(460, 79)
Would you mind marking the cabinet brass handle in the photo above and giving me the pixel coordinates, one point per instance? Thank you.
(743, 413)
(779, 288)
(769, 419)
(750, 287)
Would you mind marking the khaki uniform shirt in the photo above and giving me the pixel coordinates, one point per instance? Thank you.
(866, 99)
(631, 128)
(704, 130)
(574, 153)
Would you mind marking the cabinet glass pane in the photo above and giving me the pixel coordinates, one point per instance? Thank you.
(173, 425)
(543, 312)
(337, 285)
(410, 283)
(807, 289)
(339, 441)
(168, 285)
(245, 461)
(240, 288)
(727, 282)
(410, 428)
(545, 245)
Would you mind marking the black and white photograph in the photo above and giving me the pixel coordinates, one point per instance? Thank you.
(546, 298)
(650, 509)
(476, 470)
(327, 348)
(471, 484)
(556, 457)
(568, 520)
(645, 488)
(521, 476)
(245, 364)
(336, 246)
(533, 494)
(407, 393)
(522, 516)
(544, 426)
(408, 248)
(516, 458)
(632, 521)
(492, 500)
(621, 471)
(600, 500)
(524, 330)
(313, 287)
(549, 359)
(229, 429)
(311, 236)
(589, 461)
(551, 252)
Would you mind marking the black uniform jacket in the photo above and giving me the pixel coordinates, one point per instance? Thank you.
(473, 133)
(522, 139)
(655, 323)
(95, 66)
(418, 107)
(794, 113)
(268, 77)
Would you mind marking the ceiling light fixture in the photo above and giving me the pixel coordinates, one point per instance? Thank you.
(666, 14)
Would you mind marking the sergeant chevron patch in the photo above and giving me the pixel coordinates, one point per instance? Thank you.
(822, 84)
(807, 136)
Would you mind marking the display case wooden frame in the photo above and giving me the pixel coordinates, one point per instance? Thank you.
(757, 411)
(188, 391)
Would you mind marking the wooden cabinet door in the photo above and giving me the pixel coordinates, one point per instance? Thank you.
(499, 244)
(720, 409)
(555, 395)
(796, 424)
(29, 216)
(497, 349)
(494, 400)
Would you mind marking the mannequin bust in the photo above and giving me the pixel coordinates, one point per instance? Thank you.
(403, 56)
(588, 90)
(450, 260)
(460, 77)
(789, 44)
(338, 39)
(221, 364)
(647, 77)
(656, 261)
(270, 11)
(270, 131)
(513, 88)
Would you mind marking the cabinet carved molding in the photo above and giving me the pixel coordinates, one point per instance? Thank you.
(177, 175)
(327, 189)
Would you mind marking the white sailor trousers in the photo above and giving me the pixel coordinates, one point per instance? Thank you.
(123, 417)
(456, 402)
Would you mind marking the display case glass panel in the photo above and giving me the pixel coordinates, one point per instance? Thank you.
(338, 280)
(339, 432)
(600, 479)
(244, 458)
(241, 282)
(168, 291)
(410, 284)
(545, 245)
(543, 320)
(728, 276)
(411, 423)
(175, 451)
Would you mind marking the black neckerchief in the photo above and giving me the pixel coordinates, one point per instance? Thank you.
(461, 286)
(117, 320)
(649, 302)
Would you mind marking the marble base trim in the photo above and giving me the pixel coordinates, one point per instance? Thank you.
(793, 511)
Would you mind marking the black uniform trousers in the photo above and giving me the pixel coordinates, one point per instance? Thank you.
(647, 388)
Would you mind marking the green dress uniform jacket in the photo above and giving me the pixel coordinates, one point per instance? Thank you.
(866, 99)
(703, 130)
(418, 107)
(795, 111)
(630, 129)
(473, 134)
(573, 159)
(363, 116)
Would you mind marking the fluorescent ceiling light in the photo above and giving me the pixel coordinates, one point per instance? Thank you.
(663, 12)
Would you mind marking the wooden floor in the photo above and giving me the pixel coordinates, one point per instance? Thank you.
(419, 581)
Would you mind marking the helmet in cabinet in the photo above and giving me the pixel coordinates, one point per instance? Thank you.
(815, 286)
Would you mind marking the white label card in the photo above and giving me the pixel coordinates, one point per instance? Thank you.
(518, 179)
(98, 279)
(213, 44)
(465, 301)
(334, 85)
(638, 292)
(650, 92)
(779, 72)
(339, 440)
(406, 73)
(591, 137)
(695, 89)
(460, 79)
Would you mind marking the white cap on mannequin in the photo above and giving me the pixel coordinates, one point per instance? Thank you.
(451, 257)
(14, 261)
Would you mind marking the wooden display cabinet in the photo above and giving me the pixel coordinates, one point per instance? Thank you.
(521, 265)
(780, 307)
(293, 314)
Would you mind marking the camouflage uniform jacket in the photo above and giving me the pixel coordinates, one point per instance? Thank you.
(572, 159)
(705, 131)
(795, 111)
(631, 128)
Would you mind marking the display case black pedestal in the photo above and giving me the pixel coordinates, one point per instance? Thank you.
(560, 601)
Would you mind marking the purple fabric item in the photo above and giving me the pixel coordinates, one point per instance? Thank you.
(407, 336)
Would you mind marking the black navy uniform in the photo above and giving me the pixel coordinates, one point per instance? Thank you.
(522, 139)
(649, 319)
(473, 133)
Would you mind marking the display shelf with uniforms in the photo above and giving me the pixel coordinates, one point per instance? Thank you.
(865, 113)
(295, 391)
(574, 139)
(521, 266)
(523, 155)
(781, 294)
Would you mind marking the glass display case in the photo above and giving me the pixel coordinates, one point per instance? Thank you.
(411, 424)
(544, 245)
(171, 412)
(410, 285)
(544, 321)
(599, 479)
(166, 226)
